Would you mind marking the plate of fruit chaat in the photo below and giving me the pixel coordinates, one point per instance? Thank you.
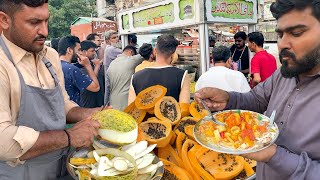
(244, 132)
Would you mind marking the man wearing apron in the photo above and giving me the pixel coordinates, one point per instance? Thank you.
(34, 106)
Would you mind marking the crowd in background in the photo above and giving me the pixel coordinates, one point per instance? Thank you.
(97, 71)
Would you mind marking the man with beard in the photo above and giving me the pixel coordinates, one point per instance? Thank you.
(76, 81)
(34, 104)
(293, 91)
(94, 37)
(112, 50)
(240, 53)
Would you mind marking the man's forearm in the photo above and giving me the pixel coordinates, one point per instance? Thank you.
(77, 114)
(92, 74)
(48, 141)
(96, 70)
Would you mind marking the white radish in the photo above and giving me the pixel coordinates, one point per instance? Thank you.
(137, 148)
(96, 156)
(150, 168)
(147, 160)
(125, 147)
(146, 151)
(103, 165)
(120, 165)
(94, 172)
(138, 161)
(153, 173)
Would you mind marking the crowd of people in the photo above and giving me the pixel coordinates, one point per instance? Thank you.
(43, 89)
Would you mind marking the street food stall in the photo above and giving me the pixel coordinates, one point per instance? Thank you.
(190, 15)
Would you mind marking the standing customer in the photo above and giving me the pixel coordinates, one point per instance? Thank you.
(34, 104)
(221, 76)
(293, 91)
(91, 99)
(119, 75)
(163, 73)
(112, 50)
(148, 53)
(240, 53)
(76, 82)
(263, 64)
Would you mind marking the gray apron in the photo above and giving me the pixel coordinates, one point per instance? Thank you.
(42, 110)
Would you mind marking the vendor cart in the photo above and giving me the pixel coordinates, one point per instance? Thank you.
(169, 15)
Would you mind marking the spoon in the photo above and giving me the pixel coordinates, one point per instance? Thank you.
(210, 116)
(273, 115)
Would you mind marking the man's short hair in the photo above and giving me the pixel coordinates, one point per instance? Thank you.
(66, 42)
(257, 38)
(92, 36)
(212, 38)
(132, 38)
(55, 43)
(221, 54)
(10, 7)
(109, 33)
(146, 50)
(166, 45)
(130, 48)
(241, 35)
(281, 7)
(86, 45)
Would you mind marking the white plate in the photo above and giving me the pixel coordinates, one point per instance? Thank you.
(219, 148)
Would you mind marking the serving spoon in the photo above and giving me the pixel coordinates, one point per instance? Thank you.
(210, 116)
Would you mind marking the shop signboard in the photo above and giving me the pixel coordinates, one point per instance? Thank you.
(233, 11)
(158, 16)
(267, 15)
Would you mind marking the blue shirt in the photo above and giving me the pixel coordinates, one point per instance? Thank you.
(75, 81)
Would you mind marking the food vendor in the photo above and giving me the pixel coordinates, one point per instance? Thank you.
(34, 105)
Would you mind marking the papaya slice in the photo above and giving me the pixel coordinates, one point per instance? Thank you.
(168, 153)
(184, 108)
(220, 166)
(147, 98)
(187, 145)
(156, 132)
(167, 109)
(185, 122)
(251, 162)
(249, 170)
(196, 111)
(189, 132)
(181, 138)
(136, 113)
(196, 165)
(174, 172)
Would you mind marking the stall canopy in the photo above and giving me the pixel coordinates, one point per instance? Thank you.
(83, 26)
(167, 14)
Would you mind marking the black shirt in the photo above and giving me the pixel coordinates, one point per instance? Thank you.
(244, 58)
(169, 77)
(93, 99)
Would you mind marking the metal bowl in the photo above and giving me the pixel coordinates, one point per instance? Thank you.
(81, 153)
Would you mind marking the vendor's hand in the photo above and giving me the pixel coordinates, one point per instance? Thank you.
(264, 155)
(216, 99)
(83, 133)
